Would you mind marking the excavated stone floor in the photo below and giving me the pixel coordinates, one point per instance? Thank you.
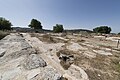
(35, 56)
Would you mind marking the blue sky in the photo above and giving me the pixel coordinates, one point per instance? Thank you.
(73, 14)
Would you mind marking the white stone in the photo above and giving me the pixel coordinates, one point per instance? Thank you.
(89, 54)
(102, 52)
(33, 73)
(9, 75)
(75, 47)
(99, 75)
(77, 73)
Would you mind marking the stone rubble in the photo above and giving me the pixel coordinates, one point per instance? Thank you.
(19, 60)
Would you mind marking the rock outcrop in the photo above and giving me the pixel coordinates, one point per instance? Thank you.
(34, 61)
(25, 58)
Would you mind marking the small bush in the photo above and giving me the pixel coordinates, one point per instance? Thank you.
(58, 28)
(35, 24)
(119, 33)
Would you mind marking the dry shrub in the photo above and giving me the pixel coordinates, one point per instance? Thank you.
(80, 40)
(3, 34)
(64, 64)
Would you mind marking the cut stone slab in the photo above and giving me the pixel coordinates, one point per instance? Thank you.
(75, 47)
(102, 52)
(46, 73)
(49, 73)
(9, 75)
(89, 54)
(88, 45)
(33, 73)
(77, 73)
(34, 61)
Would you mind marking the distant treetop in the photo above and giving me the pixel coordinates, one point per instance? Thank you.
(5, 24)
(35, 24)
(102, 29)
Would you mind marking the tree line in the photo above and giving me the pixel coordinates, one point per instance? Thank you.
(36, 24)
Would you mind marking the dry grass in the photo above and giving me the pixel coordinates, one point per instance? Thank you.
(44, 38)
(48, 38)
(3, 34)
(106, 66)
(97, 75)
(64, 64)
(65, 52)
(81, 40)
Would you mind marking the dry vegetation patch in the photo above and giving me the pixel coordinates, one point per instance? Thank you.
(3, 34)
(49, 38)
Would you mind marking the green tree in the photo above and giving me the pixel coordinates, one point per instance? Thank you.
(58, 28)
(5, 24)
(102, 29)
(119, 33)
(35, 24)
